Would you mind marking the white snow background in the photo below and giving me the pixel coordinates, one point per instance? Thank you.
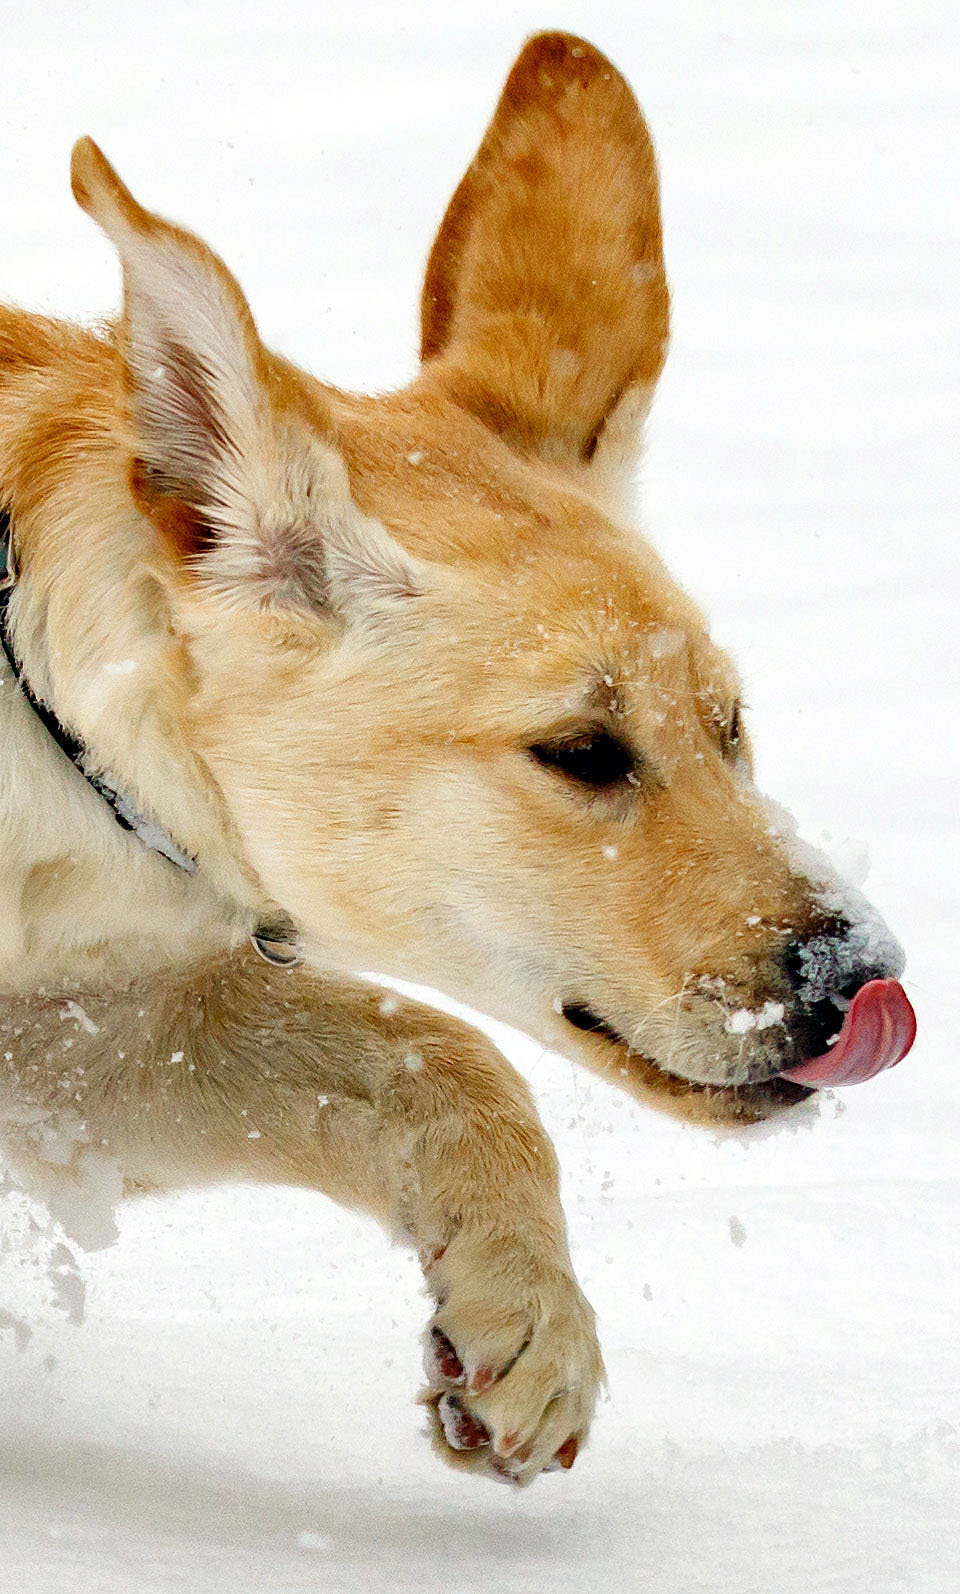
(222, 1400)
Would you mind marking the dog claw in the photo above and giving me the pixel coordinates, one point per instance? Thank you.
(444, 1363)
(513, 1363)
(462, 1430)
(502, 1472)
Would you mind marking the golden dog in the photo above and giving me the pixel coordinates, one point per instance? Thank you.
(391, 680)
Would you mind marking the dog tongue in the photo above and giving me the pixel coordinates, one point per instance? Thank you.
(878, 1031)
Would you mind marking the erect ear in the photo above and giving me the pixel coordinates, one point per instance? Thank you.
(545, 305)
(233, 459)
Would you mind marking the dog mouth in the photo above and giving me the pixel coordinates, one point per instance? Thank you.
(585, 1019)
(718, 1105)
(877, 1031)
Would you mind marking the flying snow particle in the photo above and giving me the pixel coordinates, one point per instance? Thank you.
(665, 642)
(72, 1009)
(68, 1285)
(22, 1332)
(75, 1011)
(314, 1541)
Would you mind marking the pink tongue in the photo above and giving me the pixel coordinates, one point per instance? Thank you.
(878, 1031)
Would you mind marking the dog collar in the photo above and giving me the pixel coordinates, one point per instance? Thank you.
(275, 939)
(125, 812)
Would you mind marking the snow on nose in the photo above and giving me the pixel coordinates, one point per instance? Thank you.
(837, 963)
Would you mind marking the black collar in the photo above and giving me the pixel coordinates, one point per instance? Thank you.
(124, 811)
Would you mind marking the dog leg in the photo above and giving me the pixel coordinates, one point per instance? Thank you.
(242, 1071)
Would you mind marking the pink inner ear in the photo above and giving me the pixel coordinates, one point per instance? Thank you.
(177, 414)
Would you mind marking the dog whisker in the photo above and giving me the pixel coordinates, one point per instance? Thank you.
(637, 1031)
(676, 1024)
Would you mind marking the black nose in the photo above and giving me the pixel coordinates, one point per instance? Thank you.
(826, 970)
(833, 963)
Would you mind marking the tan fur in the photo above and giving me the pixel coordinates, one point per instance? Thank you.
(317, 636)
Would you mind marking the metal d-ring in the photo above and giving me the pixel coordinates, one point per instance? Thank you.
(277, 942)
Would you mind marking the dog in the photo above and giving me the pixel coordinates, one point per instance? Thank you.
(300, 684)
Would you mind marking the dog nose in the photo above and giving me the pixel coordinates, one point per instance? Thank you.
(834, 963)
(828, 968)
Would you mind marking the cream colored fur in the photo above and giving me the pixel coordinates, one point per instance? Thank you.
(333, 645)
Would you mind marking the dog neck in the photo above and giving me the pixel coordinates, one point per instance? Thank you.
(126, 813)
(98, 880)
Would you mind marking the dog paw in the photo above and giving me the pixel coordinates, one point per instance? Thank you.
(511, 1357)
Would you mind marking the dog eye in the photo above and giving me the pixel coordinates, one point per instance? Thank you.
(594, 759)
(732, 732)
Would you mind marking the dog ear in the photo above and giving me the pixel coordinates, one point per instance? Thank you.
(545, 308)
(234, 457)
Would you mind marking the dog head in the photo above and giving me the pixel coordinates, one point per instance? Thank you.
(468, 729)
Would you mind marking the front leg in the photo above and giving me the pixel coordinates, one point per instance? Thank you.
(240, 1071)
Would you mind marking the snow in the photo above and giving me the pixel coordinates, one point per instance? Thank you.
(744, 1019)
(222, 1399)
(75, 1011)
